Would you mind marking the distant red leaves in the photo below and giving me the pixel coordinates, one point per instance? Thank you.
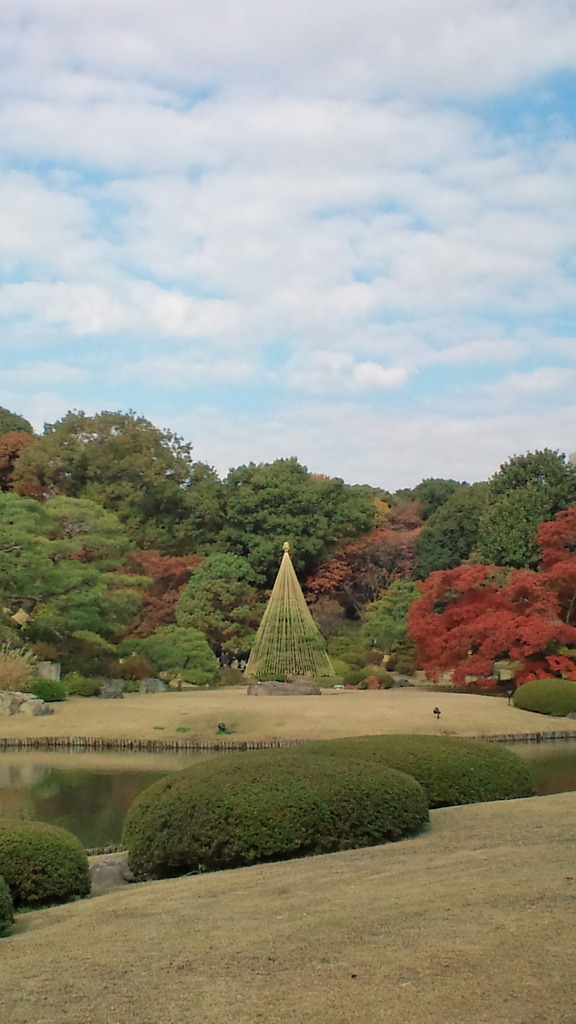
(169, 574)
(11, 444)
(360, 572)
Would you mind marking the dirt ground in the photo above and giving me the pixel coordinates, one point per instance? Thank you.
(473, 921)
(195, 714)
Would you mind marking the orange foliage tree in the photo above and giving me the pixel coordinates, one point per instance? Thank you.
(360, 572)
(168, 575)
(11, 444)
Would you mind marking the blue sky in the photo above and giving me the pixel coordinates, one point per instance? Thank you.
(341, 231)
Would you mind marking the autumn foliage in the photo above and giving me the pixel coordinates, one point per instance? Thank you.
(360, 572)
(468, 618)
(11, 444)
(168, 575)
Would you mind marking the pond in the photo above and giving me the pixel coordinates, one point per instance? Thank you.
(553, 764)
(90, 792)
(86, 792)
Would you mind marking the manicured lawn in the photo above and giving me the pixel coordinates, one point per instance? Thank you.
(471, 921)
(196, 714)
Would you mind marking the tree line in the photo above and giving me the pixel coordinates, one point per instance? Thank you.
(110, 531)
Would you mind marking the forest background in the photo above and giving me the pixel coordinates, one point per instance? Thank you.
(122, 555)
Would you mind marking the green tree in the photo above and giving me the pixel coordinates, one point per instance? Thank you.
(220, 599)
(10, 421)
(126, 464)
(281, 501)
(386, 620)
(432, 493)
(179, 651)
(451, 533)
(526, 491)
(59, 562)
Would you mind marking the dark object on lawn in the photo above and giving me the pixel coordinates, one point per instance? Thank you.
(437, 712)
(221, 726)
(403, 682)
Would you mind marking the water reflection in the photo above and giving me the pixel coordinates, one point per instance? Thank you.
(88, 793)
(552, 763)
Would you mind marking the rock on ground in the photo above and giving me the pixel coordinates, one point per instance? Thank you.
(109, 871)
(12, 702)
(151, 685)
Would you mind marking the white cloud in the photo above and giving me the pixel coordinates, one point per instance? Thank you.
(375, 445)
(299, 198)
(328, 371)
(541, 382)
(481, 350)
(52, 373)
(366, 48)
(182, 371)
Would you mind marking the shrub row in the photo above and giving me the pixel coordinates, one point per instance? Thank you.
(358, 676)
(315, 798)
(267, 805)
(6, 907)
(547, 696)
(452, 770)
(42, 863)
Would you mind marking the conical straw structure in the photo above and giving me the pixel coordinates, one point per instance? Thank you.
(288, 641)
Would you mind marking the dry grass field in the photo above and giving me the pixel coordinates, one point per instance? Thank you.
(194, 714)
(473, 921)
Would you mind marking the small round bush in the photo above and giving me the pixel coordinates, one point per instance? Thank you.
(131, 686)
(267, 805)
(49, 689)
(547, 696)
(452, 770)
(42, 863)
(81, 686)
(357, 676)
(6, 907)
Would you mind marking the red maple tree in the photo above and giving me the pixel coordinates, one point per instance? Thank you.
(557, 540)
(468, 618)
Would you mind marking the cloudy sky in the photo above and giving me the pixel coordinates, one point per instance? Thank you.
(338, 229)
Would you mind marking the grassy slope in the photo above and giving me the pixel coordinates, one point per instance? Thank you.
(470, 922)
(332, 714)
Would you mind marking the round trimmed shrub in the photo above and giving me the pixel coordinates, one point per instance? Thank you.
(547, 697)
(267, 805)
(452, 770)
(42, 863)
(6, 907)
(81, 686)
(375, 671)
(49, 689)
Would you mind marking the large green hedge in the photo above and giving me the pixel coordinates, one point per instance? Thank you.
(6, 907)
(267, 805)
(42, 863)
(547, 696)
(452, 770)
